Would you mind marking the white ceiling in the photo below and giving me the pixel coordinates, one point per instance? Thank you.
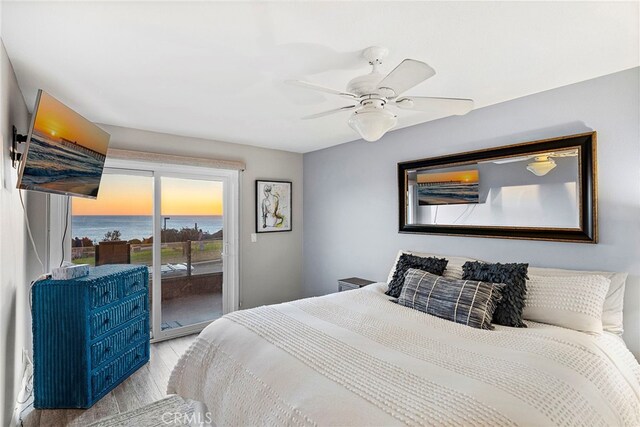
(215, 70)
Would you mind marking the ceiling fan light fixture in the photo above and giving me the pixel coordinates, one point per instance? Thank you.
(541, 167)
(372, 123)
(372, 91)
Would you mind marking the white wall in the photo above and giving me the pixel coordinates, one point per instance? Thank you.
(271, 269)
(14, 308)
(351, 194)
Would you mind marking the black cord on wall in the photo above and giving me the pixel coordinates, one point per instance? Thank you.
(26, 221)
(66, 225)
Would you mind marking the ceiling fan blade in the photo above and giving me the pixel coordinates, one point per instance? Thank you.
(329, 112)
(405, 76)
(452, 106)
(312, 86)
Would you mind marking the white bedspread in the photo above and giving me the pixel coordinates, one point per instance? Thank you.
(355, 358)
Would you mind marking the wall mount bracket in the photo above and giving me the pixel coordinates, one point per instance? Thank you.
(15, 152)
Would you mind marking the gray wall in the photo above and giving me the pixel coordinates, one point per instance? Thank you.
(14, 308)
(350, 206)
(271, 269)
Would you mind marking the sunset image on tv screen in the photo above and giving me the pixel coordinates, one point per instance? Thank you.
(65, 153)
(448, 188)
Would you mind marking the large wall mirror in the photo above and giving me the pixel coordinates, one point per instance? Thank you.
(542, 190)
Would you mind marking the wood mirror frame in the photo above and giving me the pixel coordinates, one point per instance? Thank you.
(587, 232)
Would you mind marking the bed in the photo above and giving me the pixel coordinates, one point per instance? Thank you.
(356, 358)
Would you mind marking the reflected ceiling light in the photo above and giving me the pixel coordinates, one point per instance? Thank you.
(372, 121)
(541, 166)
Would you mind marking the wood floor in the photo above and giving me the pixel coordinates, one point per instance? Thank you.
(147, 385)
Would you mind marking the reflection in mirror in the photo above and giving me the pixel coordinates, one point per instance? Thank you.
(535, 190)
(540, 190)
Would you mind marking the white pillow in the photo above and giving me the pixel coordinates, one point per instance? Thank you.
(573, 302)
(614, 301)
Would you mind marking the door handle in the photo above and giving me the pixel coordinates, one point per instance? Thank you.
(225, 250)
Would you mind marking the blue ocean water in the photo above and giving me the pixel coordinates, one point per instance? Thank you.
(58, 167)
(448, 193)
(136, 227)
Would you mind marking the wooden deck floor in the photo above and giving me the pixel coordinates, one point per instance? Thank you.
(147, 385)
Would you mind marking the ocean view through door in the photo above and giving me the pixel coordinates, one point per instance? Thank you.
(191, 251)
(118, 226)
(173, 223)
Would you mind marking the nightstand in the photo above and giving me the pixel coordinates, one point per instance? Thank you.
(352, 283)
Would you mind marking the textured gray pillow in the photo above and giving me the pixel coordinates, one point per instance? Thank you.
(467, 302)
(431, 264)
(514, 276)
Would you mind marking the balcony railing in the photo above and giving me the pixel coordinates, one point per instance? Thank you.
(171, 253)
(191, 278)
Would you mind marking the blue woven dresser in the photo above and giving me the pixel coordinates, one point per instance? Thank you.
(89, 334)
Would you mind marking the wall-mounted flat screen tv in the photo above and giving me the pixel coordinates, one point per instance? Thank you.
(65, 152)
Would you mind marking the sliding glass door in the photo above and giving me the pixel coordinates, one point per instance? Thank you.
(196, 222)
(191, 215)
(182, 225)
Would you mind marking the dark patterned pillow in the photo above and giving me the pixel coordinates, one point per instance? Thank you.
(431, 264)
(514, 276)
(468, 302)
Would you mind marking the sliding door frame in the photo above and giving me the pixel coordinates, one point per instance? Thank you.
(231, 215)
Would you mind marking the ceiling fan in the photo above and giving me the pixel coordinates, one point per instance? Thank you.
(542, 164)
(372, 93)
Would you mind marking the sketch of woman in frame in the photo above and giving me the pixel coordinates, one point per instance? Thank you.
(271, 216)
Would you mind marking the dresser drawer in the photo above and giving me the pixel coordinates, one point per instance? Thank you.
(100, 329)
(117, 342)
(103, 293)
(111, 374)
(108, 319)
(134, 283)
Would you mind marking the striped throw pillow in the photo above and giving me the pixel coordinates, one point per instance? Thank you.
(468, 302)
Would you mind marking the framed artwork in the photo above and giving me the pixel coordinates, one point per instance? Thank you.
(273, 206)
